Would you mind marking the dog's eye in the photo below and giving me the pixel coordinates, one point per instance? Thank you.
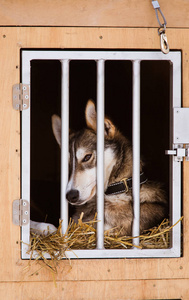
(86, 158)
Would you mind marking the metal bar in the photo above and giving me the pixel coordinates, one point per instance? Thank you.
(25, 156)
(121, 253)
(176, 190)
(64, 141)
(115, 253)
(100, 153)
(136, 150)
(97, 55)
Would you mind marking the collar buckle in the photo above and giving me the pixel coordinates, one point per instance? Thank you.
(123, 186)
(124, 180)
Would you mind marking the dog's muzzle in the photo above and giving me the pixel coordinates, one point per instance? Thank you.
(72, 196)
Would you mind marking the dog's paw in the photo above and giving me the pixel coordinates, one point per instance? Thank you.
(42, 228)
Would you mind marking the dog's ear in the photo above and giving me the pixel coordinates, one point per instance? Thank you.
(90, 115)
(56, 127)
(109, 129)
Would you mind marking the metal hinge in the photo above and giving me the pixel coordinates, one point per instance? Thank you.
(179, 152)
(21, 96)
(20, 212)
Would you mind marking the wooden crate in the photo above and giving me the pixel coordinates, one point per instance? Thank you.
(79, 24)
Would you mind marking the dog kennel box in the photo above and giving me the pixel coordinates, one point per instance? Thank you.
(82, 25)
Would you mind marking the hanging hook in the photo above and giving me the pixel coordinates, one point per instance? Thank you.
(164, 43)
(163, 40)
(161, 31)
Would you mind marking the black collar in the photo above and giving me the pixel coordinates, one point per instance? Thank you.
(123, 186)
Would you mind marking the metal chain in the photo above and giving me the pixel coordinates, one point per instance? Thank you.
(161, 30)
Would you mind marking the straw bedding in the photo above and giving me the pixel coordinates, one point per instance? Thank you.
(83, 236)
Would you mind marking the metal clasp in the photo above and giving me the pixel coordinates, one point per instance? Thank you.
(163, 40)
(161, 31)
(126, 185)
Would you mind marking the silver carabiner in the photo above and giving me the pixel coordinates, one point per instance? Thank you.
(163, 40)
(164, 43)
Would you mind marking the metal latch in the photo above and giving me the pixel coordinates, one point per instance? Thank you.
(21, 96)
(20, 212)
(179, 152)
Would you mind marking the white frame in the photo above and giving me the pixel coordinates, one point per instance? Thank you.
(174, 57)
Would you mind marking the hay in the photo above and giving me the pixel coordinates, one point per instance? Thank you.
(83, 236)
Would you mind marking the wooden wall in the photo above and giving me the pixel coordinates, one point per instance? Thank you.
(88, 279)
(111, 13)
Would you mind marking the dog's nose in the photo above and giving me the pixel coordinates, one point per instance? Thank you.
(72, 196)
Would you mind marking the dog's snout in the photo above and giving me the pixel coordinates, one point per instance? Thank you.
(72, 196)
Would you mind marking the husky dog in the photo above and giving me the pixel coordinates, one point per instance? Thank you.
(81, 188)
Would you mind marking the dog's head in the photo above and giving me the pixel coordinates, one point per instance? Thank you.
(82, 156)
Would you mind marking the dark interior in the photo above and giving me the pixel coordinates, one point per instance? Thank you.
(46, 101)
